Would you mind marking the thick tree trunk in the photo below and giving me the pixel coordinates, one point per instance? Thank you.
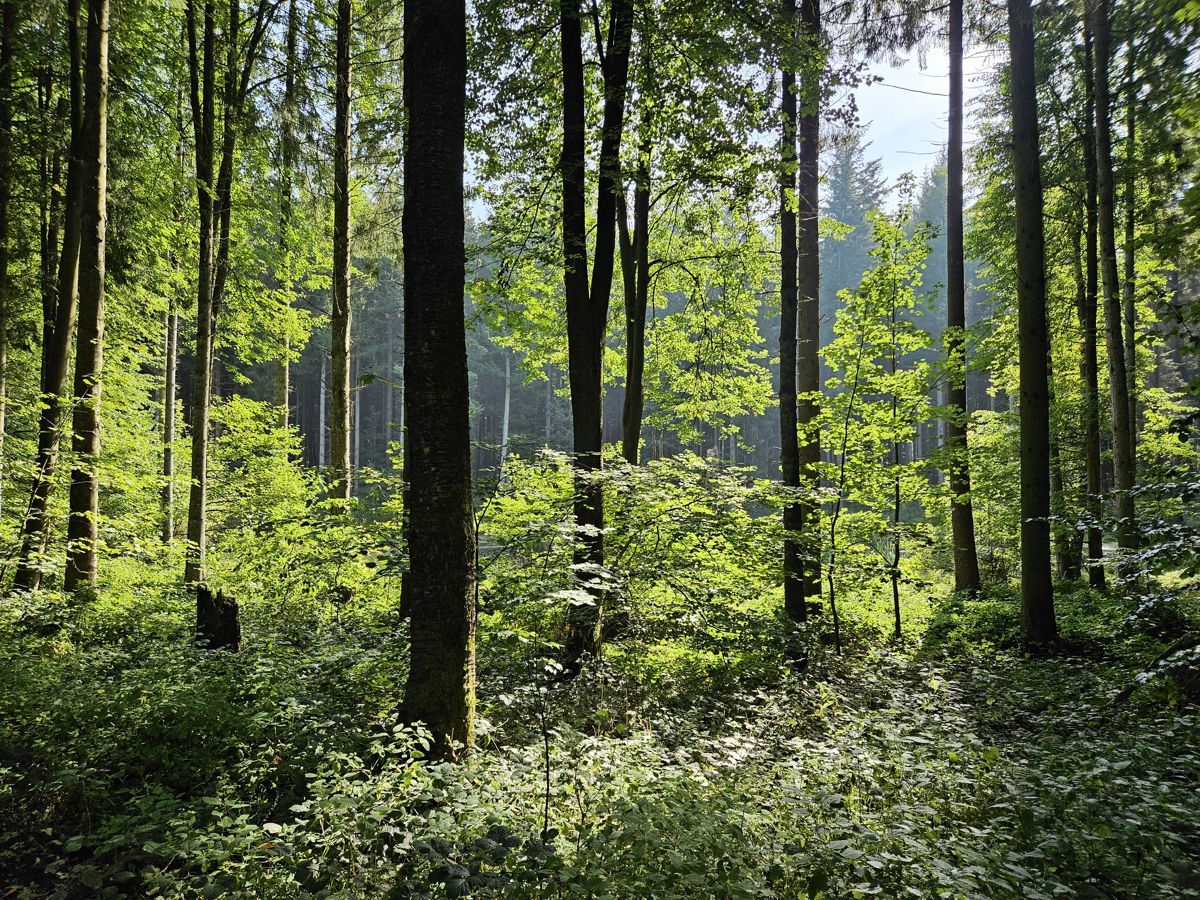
(59, 310)
(439, 588)
(808, 290)
(789, 448)
(8, 23)
(587, 303)
(962, 518)
(1037, 591)
(340, 325)
(1087, 302)
(82, 535)
(1117, 374)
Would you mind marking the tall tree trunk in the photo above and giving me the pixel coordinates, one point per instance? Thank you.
(340, 485)
(635, 267)
(323, 415)
(389, 391)
(587, 303)
(789, 447)
(8, 25)
(808, 290)
(962, 517)
(894, 574)
(170, 379)
(439, 589)
(89, 348)
(1087, 293)
(505, 419)
(1129, 300)
(1037, 590)
(59, 319)
(1117, 374)
(287, 170)
(215, 211)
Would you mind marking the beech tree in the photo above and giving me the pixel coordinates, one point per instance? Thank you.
(439, 586)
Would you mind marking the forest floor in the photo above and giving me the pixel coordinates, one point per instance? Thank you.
(956, 765)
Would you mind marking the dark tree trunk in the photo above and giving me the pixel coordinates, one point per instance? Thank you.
(340, 325)
(1117, 373)
(89, 346)
(1129, 293)
(8, 23)
(808, 291)
(789, 446)
(962, 518)
(287, 172)
(1087, 303)
(439, 588)
(587, 303)
(1037, 591)
(59, 312)
(218, 626)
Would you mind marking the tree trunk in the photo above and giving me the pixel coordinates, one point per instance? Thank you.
(504, 421)
(340, 474)
(808, 289)
(439, 589)
(962, 518)
(1129, 299)
(1037, 591)
(8, 23)
(587, 303)
(287, 169)
(789, 447)
(60, 323)
(170, 377)
(1117, 374)
(322, 415)
(89, 348)
(1087, 294)
(635, 266)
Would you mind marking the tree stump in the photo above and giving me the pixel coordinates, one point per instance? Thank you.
(218, 626)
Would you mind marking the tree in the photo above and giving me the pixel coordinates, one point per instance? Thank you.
(587, 299)
(89, 347)
(60, 302)
(1037, 593)
(808, 285)
(340, 320)
(962, 519)
(214, 177)
(1123, 463)
(789, 454)
(439, 587)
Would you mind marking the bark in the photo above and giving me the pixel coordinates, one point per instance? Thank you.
(288, 156)
(59, 311)
(89, 346)
(962, 518)
(8, 21)
(340, 325)
(1087, 293)
(1129, 292)
(1117, 373)
(505, 419)
(440, 585)
(170, 379)
(215, 209)
(808, 289)
(789, 448)
(587, 302)
(635, 269)
(1037, 593)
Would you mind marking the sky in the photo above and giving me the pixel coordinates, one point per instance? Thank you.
(905, 114)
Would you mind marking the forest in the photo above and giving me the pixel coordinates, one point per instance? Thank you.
(568, 449)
